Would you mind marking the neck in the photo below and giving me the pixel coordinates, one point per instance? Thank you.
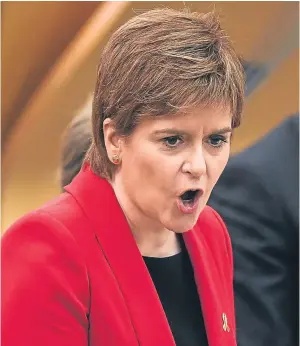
(152, 239)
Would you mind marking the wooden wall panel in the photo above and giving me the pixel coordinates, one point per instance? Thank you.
(34, 34)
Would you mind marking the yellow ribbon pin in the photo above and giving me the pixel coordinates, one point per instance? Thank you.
(225, 323)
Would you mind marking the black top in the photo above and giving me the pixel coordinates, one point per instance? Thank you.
(173, 278)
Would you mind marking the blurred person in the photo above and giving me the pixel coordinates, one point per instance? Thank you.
(76, 141)
(130, 254)
(258, 198)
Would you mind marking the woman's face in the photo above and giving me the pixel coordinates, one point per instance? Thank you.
(170, 164)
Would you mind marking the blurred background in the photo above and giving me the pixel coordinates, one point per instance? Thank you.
(50, 52)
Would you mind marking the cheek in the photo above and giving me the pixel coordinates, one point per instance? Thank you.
(149, 164)
(216, 165)
(142, 166)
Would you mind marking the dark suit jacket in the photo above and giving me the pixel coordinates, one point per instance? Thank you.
(72, 274)
(258, 198)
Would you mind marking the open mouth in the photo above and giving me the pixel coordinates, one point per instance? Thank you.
(189, 197)
(188, 201)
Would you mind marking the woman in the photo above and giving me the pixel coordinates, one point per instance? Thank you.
(130, 254)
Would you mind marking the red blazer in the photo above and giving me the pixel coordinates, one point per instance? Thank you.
(72, 275)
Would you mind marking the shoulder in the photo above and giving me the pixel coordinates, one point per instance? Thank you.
(43, 222)
(280, 143)
(56, 220)
(41, 237)
(43, 272)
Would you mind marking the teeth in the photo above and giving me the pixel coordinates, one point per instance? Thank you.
(187, 202)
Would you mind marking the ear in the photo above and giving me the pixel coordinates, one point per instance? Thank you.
(111, 139)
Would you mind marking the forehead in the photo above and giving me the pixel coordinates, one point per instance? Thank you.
(200, 119)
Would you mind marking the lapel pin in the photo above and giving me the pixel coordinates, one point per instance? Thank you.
(225, 323)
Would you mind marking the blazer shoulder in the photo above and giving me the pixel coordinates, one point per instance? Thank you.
(45, 229)
(39, 241)
(39, 228)
(39, 255)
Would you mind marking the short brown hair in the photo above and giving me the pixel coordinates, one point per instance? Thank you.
(76, 141)
(163, 62)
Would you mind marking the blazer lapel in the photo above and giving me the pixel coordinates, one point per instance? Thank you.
(97, 198)
(209, 285)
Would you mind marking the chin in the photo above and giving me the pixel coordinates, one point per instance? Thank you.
(181, 226)
(180, 223)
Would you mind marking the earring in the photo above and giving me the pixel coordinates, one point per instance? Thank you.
(115, 159)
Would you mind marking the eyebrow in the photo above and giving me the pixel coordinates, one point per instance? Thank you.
(172, 131)
(222, 131)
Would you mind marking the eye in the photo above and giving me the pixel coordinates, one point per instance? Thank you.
(172, 141)
(217, 141)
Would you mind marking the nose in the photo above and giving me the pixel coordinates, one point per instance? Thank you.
(195, 165)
